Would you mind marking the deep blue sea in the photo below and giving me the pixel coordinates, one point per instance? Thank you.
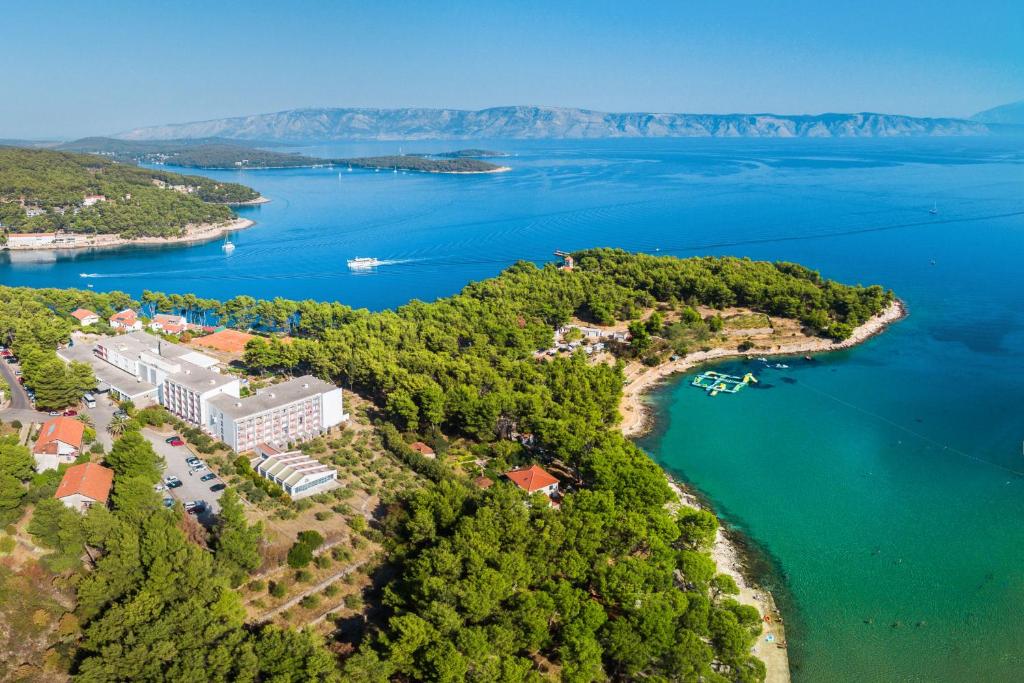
(882, 487)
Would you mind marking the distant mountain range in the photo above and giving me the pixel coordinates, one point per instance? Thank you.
(327, 124)
(1008, 114)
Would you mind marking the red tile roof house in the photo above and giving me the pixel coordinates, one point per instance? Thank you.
(126, 320)
(85, 485)
(85, 317)
(534, 479)
(172, 324)
(59, 441)
(423, 449)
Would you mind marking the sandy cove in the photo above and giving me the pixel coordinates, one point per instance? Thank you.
(193, 233)
(640, 378)
(725, 552)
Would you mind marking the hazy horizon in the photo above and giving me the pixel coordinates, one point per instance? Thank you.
(81, 70)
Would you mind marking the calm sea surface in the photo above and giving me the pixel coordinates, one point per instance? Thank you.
(882, 486)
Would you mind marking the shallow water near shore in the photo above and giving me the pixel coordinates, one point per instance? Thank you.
(881, 485)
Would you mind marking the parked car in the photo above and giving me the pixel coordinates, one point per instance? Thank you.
(195, 506)
(168, 502)
(17, 373)
(120, 413)
(208, 477)
(217, 487)
(70, 413)
(172, 482)
(192, 460)
(158, 487)
(172, 438)
(176, 442)
(54, 413)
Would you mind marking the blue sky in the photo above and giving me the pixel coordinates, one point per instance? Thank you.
(73, 68)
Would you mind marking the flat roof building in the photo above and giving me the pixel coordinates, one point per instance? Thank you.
(287, 413)
(298, 474)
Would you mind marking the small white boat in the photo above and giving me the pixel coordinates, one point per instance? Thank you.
(934, 210)
(228, 247)
(362, 263)
(781, 366)
(763, 360)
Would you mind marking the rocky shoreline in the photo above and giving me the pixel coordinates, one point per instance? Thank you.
(193, 234)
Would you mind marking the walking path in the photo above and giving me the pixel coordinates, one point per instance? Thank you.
(316, 588)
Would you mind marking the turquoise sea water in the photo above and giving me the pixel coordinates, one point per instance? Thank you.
(881, 486)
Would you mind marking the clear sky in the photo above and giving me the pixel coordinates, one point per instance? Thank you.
(78, 68)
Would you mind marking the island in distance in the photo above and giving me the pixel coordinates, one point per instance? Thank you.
(531, 122)
(220, 153)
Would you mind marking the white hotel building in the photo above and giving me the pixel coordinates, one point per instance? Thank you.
(286, 413)
(189, 384)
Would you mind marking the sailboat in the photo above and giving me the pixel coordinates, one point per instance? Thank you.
(934, 210)
(228, 246)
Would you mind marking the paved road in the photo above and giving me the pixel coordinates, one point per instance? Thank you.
(19, 399)
(191, 488)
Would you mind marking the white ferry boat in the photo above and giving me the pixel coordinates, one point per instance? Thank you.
(362, 263)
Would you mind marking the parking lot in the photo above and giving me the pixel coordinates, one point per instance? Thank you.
(191, 487)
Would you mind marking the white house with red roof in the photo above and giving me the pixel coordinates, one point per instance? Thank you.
(85, 317)
(166, 322)
(126, 321)
(534, 479)
(85, 485)
(59, 441)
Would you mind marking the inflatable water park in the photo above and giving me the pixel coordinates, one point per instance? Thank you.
(715, 383)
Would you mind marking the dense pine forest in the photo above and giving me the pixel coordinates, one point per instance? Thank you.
(479, 585)
(44, 190)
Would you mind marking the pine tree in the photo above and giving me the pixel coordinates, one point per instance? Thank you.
(133, 456)
(236, 544)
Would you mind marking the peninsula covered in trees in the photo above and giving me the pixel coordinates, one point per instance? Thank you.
(215, 153)
(478, 584)
(46, 191)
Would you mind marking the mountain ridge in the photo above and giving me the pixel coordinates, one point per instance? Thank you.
(526, 122)
(1011, 113)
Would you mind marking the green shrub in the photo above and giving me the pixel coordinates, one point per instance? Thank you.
(278, 589)
(303, 576)
(257, 585)
(7, 544)
(310, 602)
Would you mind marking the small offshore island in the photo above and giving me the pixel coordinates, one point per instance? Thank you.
(610, 571)
(222, 154)
(61, 200)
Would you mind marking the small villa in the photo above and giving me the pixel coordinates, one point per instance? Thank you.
(534, 479)
(85, 317)
(85, 485)
(423, 449)
(126, 321)
(59, 442)
(171, 324)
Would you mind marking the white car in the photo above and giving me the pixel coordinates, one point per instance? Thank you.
(159, 487)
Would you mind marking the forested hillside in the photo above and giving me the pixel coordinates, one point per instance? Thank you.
(479, 586)
(43, 190)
